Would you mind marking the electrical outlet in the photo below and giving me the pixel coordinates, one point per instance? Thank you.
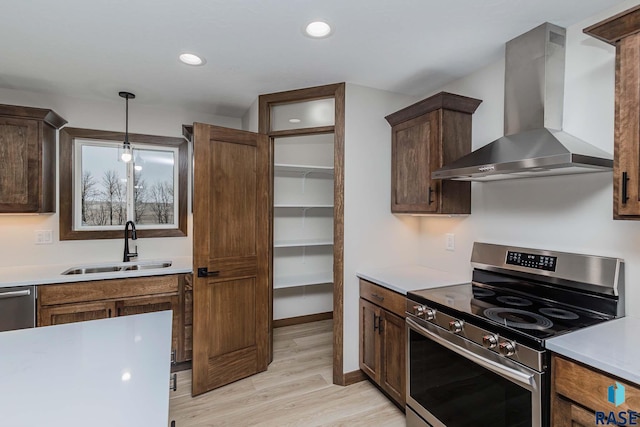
(451, 242)
(43, 237)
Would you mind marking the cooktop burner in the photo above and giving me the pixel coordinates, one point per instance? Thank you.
(520, 319)
(559, 313)
(513, 300)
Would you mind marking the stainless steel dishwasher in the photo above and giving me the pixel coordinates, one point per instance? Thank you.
(17, 308)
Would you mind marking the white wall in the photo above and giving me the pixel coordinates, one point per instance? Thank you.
(17, 232)
(373, 237)
(570, 213)
(250, 118)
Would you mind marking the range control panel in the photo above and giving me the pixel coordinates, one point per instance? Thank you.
(541, 262)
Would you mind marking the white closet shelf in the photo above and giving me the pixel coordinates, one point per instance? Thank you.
(282, 167)
(303, 280)
(302, 206)
(302, 242)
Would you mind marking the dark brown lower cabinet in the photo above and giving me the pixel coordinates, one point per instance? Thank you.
(71, 313)
(383, 340)
(78, 302)
(579, 395)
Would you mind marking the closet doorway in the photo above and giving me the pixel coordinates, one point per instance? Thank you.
(306, 132)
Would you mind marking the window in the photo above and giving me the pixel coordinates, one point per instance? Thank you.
(99, 192)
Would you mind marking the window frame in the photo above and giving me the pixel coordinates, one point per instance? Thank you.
(68, 197)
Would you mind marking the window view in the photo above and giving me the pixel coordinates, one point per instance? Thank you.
(112, 192)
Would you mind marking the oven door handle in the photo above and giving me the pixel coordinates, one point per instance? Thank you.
(527, 381)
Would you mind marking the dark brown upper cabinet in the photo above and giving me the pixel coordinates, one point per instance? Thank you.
(623, 31)
(424, 137)
(28, 159)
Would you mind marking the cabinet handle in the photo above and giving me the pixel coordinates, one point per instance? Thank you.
(380, 325)
(174, 380)
(173, 357)
(375, 322)
(378, 297)
(173, 424)
(109, 315)
(429, 200)
(625, 179)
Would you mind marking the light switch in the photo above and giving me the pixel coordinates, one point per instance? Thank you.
(451, 242)
(43, 237)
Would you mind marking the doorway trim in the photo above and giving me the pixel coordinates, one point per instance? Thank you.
(336, 91)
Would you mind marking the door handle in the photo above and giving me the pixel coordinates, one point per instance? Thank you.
(204, 272)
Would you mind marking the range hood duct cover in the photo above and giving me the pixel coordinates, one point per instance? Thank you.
(534, 143)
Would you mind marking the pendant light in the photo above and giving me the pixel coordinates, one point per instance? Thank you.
(126, 147)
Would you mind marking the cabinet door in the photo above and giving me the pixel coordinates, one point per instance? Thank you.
(567, 414)
(393, 372)
(414, 155)
(370, 339)
(20, 164)
(626, 165)
(70, 313)
(152, 304)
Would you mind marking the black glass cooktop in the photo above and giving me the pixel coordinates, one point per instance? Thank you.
(524, 314)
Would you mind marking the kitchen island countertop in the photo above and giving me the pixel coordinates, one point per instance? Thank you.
(610, 346)
(51, 274)
(109, 372)
(407, 278)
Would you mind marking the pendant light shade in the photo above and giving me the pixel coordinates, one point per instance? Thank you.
(126, 146)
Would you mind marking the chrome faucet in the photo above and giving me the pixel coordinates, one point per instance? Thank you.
(128, 255)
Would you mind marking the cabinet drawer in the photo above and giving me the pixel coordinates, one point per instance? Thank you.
(383, 297)
(106, 289)
(589, 387)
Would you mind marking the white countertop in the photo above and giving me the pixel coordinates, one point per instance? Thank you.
(611, 346)
(49, 274)
(408, 278)
(76, 374)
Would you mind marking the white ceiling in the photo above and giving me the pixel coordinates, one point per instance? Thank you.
(95, 48)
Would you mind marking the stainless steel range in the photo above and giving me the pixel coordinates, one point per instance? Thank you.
(476, 351)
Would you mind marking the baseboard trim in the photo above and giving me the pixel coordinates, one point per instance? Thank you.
(353, 377)
(299, 320)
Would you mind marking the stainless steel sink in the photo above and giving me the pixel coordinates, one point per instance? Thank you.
(114, 268)
(146, 266)
(89, 270)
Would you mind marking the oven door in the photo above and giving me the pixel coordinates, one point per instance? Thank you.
(452, 382)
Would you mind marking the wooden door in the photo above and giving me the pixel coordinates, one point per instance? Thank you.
(19, 165)
(231, 243)
(414, 155)
(393, 372)
(71, 313)
(370, 339)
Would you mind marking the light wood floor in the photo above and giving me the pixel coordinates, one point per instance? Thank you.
(296, 390)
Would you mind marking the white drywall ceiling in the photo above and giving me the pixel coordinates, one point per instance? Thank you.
(94, 48)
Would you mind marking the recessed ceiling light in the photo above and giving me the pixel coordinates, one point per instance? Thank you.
(318, 29)
(294, 120)
(191, 59)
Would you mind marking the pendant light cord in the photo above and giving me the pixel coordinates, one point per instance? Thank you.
(126, 128)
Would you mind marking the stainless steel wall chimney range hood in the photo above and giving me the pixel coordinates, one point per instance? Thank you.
(534, 143)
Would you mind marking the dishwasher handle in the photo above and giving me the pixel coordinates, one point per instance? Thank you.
(15, 294)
